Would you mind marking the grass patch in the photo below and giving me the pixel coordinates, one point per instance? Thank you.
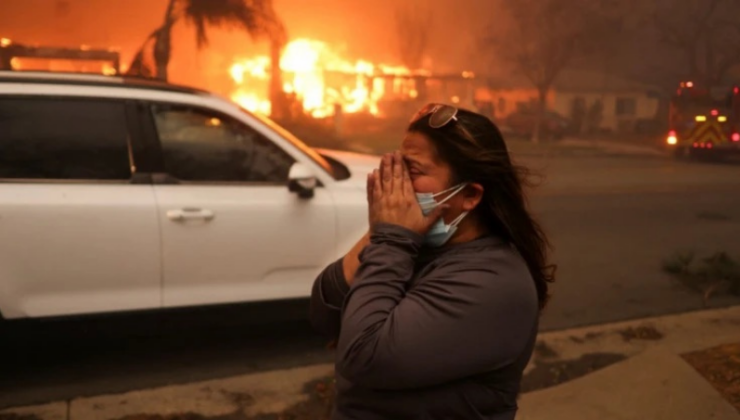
(718, 273)
(644, 333)
(721, 367)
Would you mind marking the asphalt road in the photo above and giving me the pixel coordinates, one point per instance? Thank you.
(612, 221)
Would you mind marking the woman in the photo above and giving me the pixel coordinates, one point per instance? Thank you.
(436, 308)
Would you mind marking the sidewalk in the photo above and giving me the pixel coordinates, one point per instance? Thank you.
(582, 147)
(627, 370)
(653, 381)
(656, 384)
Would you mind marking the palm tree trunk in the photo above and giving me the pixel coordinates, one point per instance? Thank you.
(163, 44)
(277, 96)
(139, 66)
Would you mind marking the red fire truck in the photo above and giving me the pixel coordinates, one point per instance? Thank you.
(704, 124)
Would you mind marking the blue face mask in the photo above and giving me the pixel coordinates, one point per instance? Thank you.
(440, 232)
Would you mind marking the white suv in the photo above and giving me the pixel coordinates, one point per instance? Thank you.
(119, 195)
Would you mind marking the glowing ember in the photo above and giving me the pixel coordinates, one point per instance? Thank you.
(109, 70)
(320, 80)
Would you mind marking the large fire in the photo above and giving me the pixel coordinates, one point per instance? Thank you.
(321, 81)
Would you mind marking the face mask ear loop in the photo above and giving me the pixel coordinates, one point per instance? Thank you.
(456, 190)
(444, 191)
(459, 219)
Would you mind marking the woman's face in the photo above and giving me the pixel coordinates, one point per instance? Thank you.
(428, 173)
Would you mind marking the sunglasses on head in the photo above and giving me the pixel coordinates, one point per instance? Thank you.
(441, 115)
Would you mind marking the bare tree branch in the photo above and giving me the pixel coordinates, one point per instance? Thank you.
(413, 25)
(704, 34)
(540, 38)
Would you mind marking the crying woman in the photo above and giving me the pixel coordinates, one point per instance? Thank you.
(436, 309)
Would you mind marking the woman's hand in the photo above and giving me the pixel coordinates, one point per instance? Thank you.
(392, 199)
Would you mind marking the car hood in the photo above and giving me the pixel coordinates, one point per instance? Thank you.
(359, 165)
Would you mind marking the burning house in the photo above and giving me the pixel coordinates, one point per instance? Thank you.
(317, 81)
(321, 83)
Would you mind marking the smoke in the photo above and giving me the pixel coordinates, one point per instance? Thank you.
(360, 29)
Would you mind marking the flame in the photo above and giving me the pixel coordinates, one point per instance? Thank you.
(256, 68)
(252, 102)
(4, 42)
(109, 70)
(320, 80)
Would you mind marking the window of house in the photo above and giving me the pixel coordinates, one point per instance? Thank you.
(626, 107)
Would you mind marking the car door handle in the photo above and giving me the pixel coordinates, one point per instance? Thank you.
(186, 214)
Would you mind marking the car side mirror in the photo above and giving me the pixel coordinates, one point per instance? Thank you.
(302, 181)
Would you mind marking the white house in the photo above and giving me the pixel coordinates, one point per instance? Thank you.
(578, 95)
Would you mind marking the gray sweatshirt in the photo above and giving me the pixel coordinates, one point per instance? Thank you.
(428, 333)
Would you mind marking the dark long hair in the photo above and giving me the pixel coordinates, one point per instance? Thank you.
(484, 159)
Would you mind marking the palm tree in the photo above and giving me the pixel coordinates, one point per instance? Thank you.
(257, 17)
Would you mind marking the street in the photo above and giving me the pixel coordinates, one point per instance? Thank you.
(612, 220)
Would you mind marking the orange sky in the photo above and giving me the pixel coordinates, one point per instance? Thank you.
(363, 29)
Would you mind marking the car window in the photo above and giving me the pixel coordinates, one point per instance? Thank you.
(63, 139)
(201, 145)
(298, 144)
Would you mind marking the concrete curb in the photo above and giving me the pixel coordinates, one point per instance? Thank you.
(587, 148)
(564, 152)
(678, 334)
(272, 392)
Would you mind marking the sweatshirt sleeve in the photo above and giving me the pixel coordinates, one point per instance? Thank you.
(327, 296)
(463, 319)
